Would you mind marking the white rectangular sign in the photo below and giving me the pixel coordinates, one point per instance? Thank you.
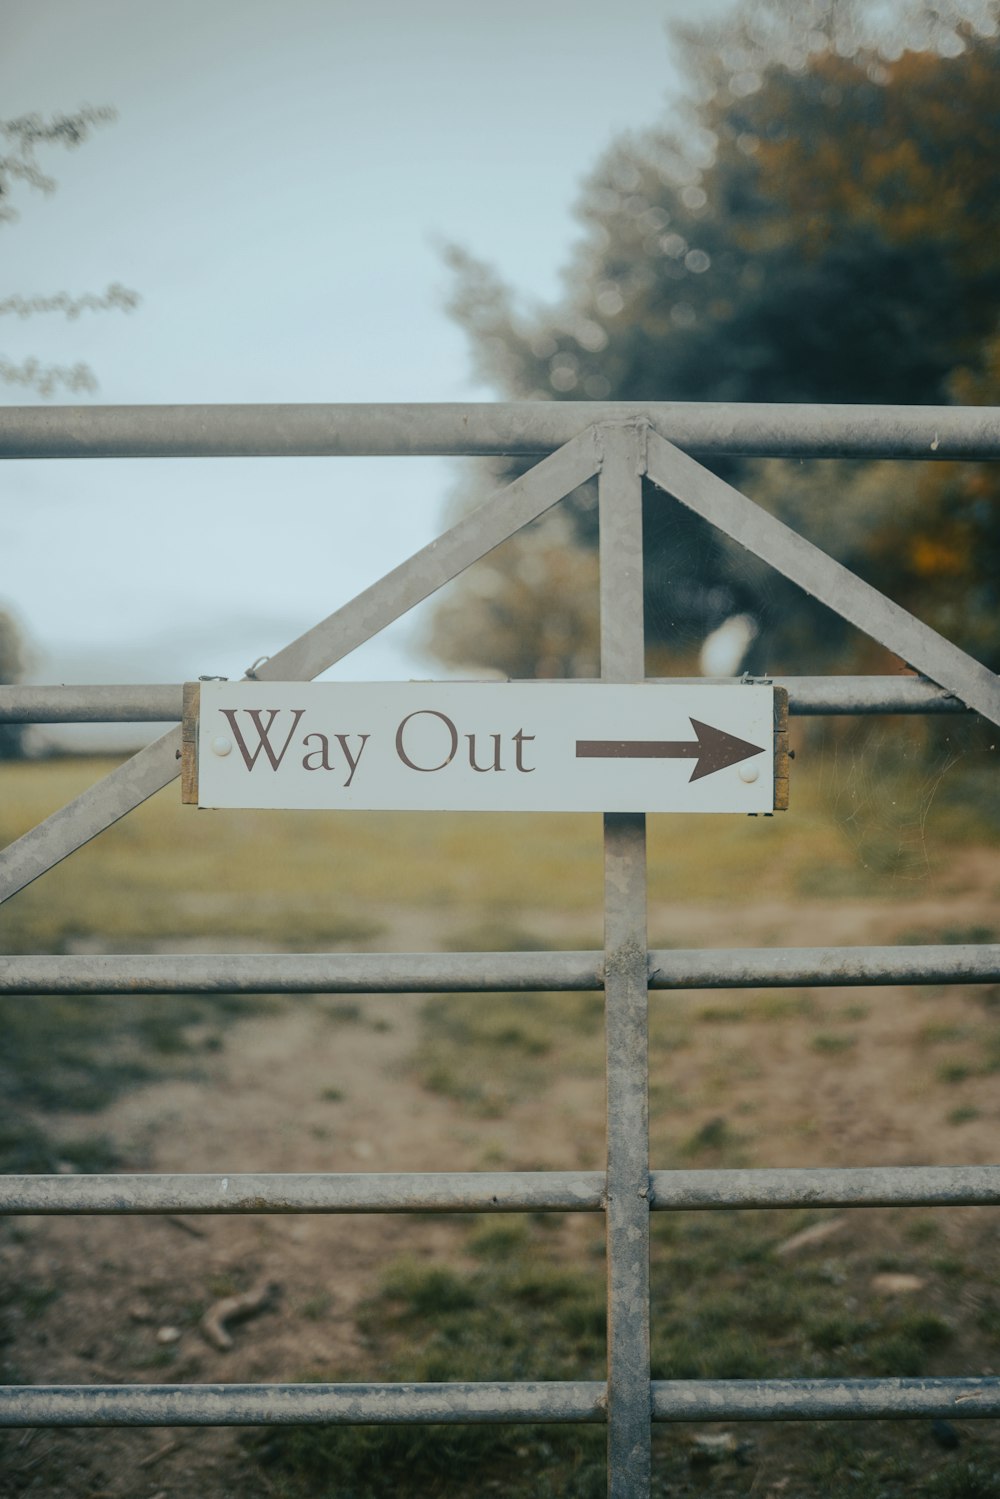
(487, 746)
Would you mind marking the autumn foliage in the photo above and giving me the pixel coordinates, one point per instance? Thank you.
(822, 227)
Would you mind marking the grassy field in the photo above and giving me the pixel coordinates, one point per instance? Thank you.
(872, 815)
(876, 841)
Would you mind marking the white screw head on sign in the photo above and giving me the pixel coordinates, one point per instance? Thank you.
(749, 773)
(221, 745)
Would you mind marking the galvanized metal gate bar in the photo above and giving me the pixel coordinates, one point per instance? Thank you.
(621, 448)
(555, 1401)
(498, 1191)
(160, 704)
(300, 1404)
(823, 1399)
(623, 659)
(317, 1192)
(827, 1186)
(527, 427)
(493, 973)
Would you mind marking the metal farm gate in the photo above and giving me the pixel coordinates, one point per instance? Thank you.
(573, 442)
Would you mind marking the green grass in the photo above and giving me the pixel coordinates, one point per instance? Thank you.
(955, 1072)
(30, 1297)
(299, 879)
(516, 1312)
(950, 935)
(77, 1053)
(715, 1143)
(26, 1147)
(833, 1043)
(726, 1306)
(779, 1005)
(490, 1051)
(509, 1305)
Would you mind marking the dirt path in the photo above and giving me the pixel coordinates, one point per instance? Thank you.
(298, 1090)
(315, 1085)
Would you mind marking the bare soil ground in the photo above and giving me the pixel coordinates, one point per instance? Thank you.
(328, 1085)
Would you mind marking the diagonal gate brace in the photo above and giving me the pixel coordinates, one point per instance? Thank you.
(370, 611)
(822, 577)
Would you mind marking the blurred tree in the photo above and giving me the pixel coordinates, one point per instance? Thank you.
(821, 227)
(20, 142)
(532, 608)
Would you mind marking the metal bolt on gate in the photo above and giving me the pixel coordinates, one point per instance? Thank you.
(619, 444)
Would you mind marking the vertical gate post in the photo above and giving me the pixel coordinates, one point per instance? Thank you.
(626, 990)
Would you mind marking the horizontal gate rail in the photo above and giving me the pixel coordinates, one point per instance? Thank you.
(807, 696)
(823, 967)
(301, 1404)
(305, 973)
(823, 1399)
(499, 1191)
(555, 1401)
(154, 703)
(826, 1186)
(494, 972)
(529, 427)
(320, 1192)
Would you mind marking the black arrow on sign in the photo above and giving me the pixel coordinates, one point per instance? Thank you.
(713, 749)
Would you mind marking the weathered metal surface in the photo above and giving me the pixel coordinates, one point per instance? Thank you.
(827, 580)
(403, 430)
(492, 972)
(315, 1192)
(626, 1000)
(372, 1192)
(299, 1404)
(158, 704)
(831, 1186)
(150, 703)
(341, 632)
(466, 1404)
(823, 1399)
(823, 967)
(498, 1192)
(808, 696)
(303, 973)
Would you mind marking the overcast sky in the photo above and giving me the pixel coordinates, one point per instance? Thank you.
(276, 188)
